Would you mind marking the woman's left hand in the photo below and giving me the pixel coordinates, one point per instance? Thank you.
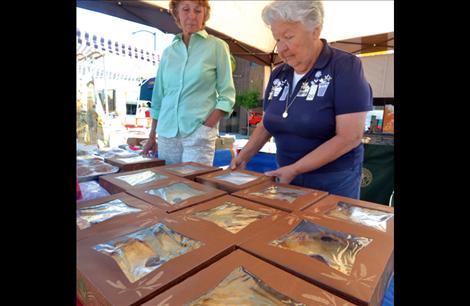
(284, 174)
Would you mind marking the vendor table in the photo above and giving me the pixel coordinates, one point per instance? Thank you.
(92, 190)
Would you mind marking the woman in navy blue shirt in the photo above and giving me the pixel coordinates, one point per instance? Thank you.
(315, 105)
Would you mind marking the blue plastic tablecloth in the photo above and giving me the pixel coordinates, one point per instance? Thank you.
(389, 297)
(261, 162)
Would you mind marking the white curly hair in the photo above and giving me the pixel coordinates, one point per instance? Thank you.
(309, 13)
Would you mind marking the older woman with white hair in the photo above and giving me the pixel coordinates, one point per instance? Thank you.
(315, 105)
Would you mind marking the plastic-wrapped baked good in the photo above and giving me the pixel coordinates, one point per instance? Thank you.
(89, 160)
(84, 171)
(81, 162)
(82, 152)
(103, 168)
(91, 170)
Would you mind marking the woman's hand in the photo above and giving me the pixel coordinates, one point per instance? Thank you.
(284, 174)
(150, 147)
(238, 163)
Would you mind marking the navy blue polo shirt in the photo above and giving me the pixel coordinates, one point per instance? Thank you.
(335, 85)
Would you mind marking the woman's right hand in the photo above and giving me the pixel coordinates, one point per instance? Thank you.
(150, 147)
(238, 162)
(257, 140)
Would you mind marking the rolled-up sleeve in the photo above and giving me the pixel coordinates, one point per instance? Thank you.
(157, 93)
(225, 87)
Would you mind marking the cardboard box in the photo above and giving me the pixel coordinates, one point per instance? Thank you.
(123, 181)
(117, 220)
(101, 280)
(135, 163)
(224, 143)
(282, 196)
(188, 170)
(234, 276)
(136, 140)
(214, 179)
(232, 219)
(355, 212)
(357, 269)
(172, 203)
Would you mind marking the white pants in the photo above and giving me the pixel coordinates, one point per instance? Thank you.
(198, 147)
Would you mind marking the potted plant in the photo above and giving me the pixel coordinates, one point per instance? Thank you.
(249, 99)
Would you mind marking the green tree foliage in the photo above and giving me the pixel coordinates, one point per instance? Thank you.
(249, 99)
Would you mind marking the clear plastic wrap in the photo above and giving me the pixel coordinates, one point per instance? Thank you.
(116, 153)
(279, 193)
(90, 173)
(237, 178)
(92, 190)
(369, 217)
(241, 287)
(90, 167)
(175, 193)
(87, 216)
(186, 169)
(143, 251)
(84, 149)
(230, 216)
(337, 250)
(134, 159)
(89, 160)
(141, 177)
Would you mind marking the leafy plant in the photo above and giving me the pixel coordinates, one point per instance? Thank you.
(249, 99)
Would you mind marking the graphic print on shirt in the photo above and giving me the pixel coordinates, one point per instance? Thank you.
(312, 91)
(304, 89)
(277, 87)
(323, 84)
(285, 92)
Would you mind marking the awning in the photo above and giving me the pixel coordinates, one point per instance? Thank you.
(239, 23)
(160, 18)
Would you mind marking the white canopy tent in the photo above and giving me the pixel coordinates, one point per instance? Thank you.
(242, 20)
(239, 23)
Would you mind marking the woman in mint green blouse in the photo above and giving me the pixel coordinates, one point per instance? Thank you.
(193, 89)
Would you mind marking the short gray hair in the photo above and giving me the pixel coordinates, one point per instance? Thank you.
(309, 13)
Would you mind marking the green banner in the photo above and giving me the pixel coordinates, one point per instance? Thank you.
(377, 182)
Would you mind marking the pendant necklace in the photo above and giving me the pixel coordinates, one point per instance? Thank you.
(285, 113)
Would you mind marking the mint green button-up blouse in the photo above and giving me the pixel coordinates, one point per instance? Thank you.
(190, 83)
